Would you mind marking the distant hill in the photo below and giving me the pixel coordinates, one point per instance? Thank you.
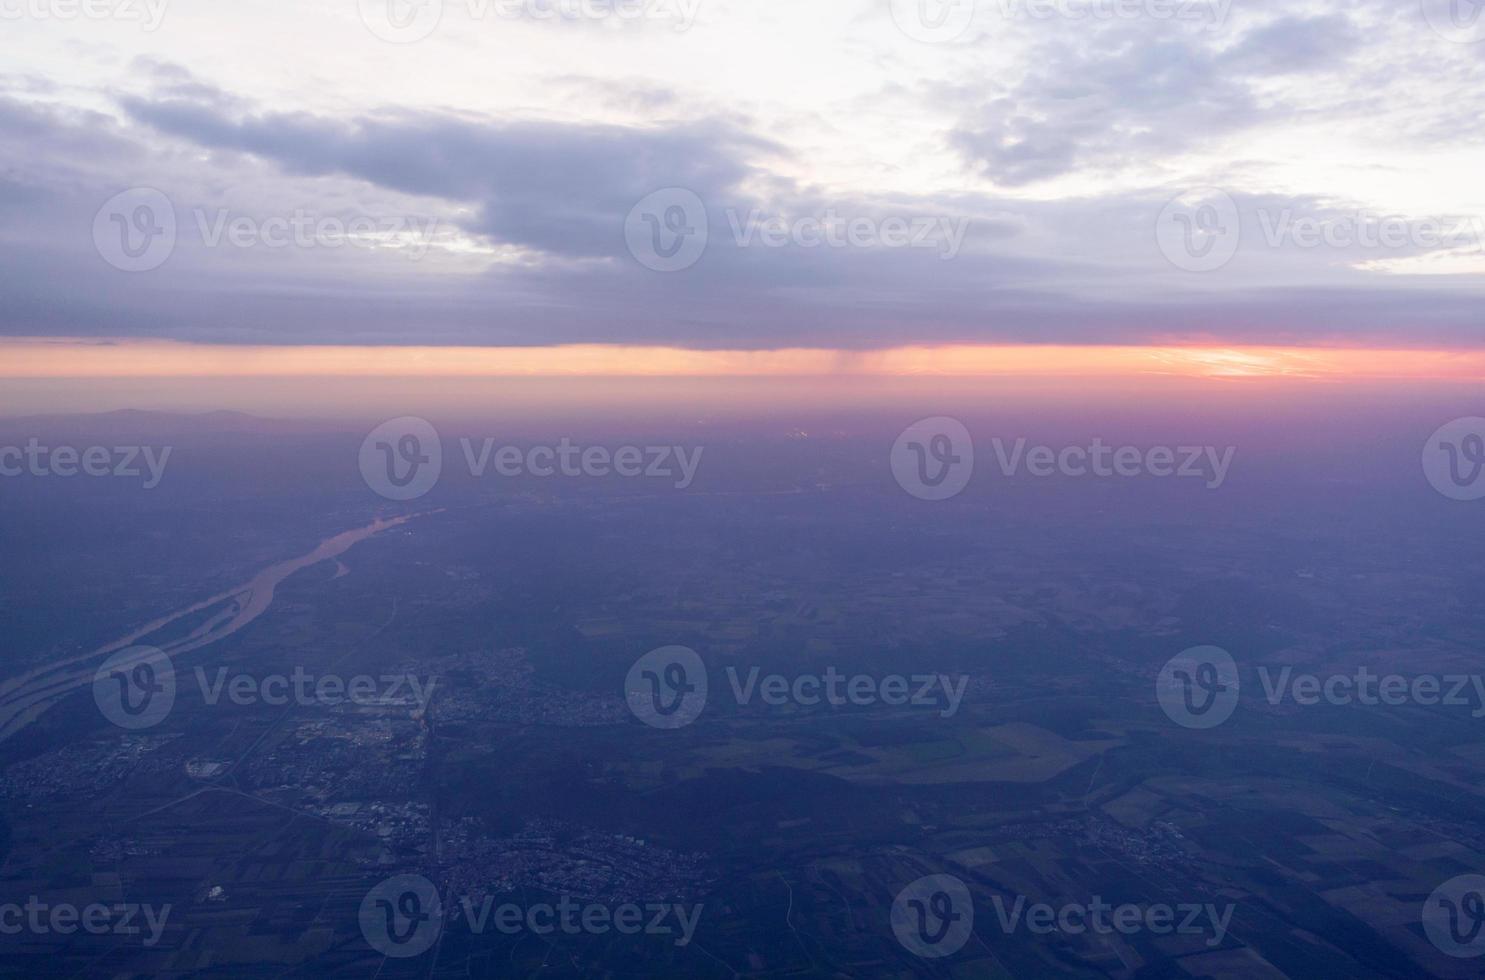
(131, 422)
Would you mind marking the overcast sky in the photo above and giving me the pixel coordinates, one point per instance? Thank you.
(743, 173)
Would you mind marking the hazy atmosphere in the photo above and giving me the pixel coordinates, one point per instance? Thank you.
(960, 489)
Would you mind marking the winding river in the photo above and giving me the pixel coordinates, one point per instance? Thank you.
(25, 697)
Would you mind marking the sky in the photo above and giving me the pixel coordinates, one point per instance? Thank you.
(760, 175)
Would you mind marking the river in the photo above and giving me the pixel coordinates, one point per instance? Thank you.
(26, 697)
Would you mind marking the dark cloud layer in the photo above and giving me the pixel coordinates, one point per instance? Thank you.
(1074, 270)
(548, 186)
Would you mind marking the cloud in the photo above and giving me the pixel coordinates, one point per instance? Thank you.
(534, 212)
(1100, 108)
(1294, 44)
(1106, 97)
(548, 186)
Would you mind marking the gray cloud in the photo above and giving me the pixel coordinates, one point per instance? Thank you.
(1103, 97)
(1101, 108)
(1078, 270)
(547, 186)
(1294, 44)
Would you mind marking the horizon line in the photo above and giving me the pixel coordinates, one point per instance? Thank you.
(51, 357)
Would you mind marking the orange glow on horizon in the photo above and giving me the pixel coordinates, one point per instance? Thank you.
(68, 358)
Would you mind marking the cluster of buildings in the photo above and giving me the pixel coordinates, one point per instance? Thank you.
(349, 755)
(501, 687)
(565, 860)
(83, 768)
